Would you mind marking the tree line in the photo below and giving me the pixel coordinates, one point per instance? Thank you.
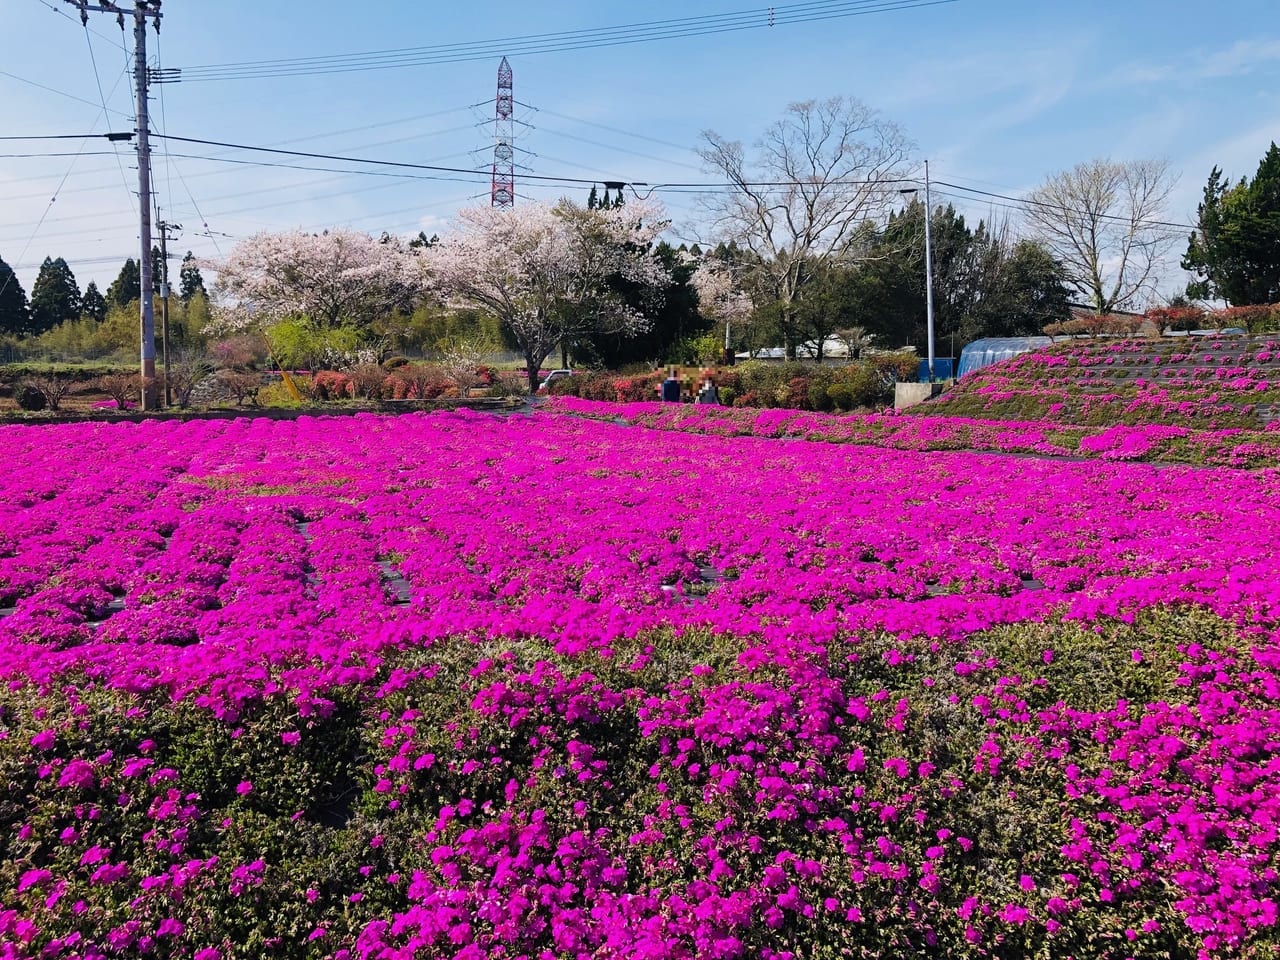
(816, 237)
(56, 297)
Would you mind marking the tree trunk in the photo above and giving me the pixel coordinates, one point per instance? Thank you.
(564, 354)
(531, 365)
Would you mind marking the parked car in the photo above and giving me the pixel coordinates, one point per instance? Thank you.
(552, 377)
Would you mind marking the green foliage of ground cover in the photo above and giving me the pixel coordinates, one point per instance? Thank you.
(291, 828)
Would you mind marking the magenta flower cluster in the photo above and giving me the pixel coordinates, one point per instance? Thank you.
(1143, 442)
(804, 780)
(1209, 382)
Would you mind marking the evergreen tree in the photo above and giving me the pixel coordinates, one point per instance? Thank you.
(673, 310)
(593, 199)
(94, 305)
(1235, 251)
(1026, 291)
(984, 284)
(55, 297)
(14, 316)
(192, 281)
(127, 286)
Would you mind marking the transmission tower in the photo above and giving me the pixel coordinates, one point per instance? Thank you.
(504, 155)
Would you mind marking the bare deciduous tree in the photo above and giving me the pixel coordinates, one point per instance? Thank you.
(818, 176)
(1101, 220)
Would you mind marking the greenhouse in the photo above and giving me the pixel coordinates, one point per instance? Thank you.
(983, 353)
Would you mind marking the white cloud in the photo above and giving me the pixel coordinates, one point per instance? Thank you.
(1241, 57)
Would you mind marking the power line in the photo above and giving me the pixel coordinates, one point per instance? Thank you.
(74, 136)
(314, 136)
(217, 213)
(61, 93)
(478, 175)
(564, 41)
(375, 162)
(77, 153)
(97, 79)
(634, 153)
(550, 178)
(62, 13)
(49, 206)
(605, 126)
(1030, 202)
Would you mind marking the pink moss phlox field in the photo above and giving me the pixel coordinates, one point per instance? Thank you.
(1210, 382)
(614, 691)
(1144, 442)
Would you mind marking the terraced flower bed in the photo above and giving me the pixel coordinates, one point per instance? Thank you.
(1154, 443)
(462, 686)
(1211, 382)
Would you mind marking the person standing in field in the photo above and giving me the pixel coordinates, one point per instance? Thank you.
(670, 388)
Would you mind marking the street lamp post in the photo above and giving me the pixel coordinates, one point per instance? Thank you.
(928, 261)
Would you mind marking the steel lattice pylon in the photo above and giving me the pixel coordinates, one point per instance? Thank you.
(504, 154)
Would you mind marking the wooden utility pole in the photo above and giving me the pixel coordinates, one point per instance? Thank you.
(141, 12)
(165, 229)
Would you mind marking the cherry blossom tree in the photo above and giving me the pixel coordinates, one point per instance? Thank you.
(546, 272)
(720, 295)
(331, 279)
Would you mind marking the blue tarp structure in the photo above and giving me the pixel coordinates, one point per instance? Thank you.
(983, 353)
(941, 369)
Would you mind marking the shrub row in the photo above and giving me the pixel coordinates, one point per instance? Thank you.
(1257, 318)
(795, 386)
(399, 379)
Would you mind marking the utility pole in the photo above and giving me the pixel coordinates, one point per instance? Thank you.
(165, 229)
(928, 265)
(141, 12)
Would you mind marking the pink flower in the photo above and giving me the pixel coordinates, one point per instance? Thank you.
(78, 773)
(43, 740)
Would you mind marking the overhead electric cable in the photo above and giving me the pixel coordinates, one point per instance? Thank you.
(527, 45)
(1028, 201)
(76, 153)
(63, 13)
(375, 162)
(97, 79)
(49, 206)
(71, 136)
(61, 93)
(605, 126)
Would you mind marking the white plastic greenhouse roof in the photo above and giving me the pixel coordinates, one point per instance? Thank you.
(983, 353)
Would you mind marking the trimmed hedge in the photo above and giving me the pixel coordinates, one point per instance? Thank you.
(795, 386)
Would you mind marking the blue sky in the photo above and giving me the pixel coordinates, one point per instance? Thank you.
(996, 93)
